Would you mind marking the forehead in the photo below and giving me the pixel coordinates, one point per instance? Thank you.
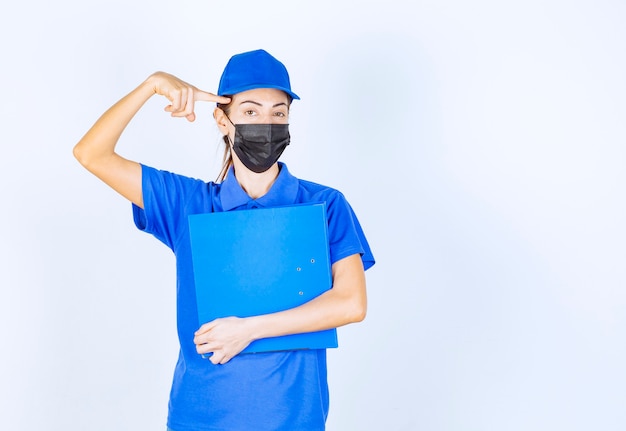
(261, 96)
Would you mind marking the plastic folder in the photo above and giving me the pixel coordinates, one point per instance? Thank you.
(259, 261)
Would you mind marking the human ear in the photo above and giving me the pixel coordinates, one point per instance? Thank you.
(220, 120)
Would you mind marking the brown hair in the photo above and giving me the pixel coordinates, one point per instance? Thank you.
(227, 159)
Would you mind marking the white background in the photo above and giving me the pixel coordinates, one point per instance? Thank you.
(482, 145)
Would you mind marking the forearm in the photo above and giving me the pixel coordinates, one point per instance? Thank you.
(324, 312)
(96, 150)
(98, 144)
(345, 303)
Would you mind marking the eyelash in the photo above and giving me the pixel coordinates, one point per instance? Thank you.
(278, 114)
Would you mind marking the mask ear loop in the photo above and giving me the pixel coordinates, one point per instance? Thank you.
(230, 141)
(227, 154)
(231, 122)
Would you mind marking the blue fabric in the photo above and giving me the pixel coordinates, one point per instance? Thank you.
(263, 391)
(254, 69)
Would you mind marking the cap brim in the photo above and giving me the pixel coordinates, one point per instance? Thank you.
(235, 90)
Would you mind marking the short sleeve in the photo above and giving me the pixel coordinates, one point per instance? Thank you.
(346, 236)
(165, 199)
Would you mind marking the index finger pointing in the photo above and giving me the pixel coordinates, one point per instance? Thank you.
(204, 96)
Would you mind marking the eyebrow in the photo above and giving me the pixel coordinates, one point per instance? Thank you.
(259, 104)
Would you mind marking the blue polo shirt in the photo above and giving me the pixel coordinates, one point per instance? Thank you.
(264, 391)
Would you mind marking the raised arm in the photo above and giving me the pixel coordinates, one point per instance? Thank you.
(96, 150)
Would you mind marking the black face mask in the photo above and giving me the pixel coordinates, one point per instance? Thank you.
(259, 146)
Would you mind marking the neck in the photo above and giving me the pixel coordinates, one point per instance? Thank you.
(255, 185)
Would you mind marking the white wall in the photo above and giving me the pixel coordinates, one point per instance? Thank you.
(482, 145)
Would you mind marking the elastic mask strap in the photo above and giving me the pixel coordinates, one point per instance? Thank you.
(230, 120)
(228, 135)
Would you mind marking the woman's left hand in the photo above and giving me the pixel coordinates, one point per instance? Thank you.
(224, 338)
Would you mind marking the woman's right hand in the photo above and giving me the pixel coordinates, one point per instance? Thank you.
(96, 150)
(181, 95)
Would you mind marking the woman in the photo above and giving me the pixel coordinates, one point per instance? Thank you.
(266, 391)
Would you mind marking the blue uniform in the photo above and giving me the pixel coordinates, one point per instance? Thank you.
(263, 391)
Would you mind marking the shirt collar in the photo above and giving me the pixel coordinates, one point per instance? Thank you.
(283, 192)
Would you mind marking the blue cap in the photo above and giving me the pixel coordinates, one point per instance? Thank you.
(254, 69)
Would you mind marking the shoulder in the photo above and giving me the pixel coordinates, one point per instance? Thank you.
(178, 192)
(338, 209)
(312, 191)
(346, 236)
(168, 199)
(169, 179)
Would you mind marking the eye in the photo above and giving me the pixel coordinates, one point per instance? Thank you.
(280, 114)
(249, 113)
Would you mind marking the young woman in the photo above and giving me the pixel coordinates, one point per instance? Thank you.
(263, 391)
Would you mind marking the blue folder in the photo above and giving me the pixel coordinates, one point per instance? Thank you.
(259, 261)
